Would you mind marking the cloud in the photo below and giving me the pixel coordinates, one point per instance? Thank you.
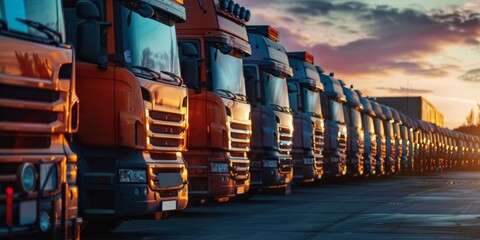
(472, 75)
(358, 39)
(405, 90)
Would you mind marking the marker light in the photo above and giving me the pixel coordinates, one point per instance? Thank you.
(236, 10)
(224, 4)
(247, 16)
(231, 6)
(178, 1)
(273, 34)
(308, 58)
(241, 15)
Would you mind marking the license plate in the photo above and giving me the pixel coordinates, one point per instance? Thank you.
(169, 205)
(28, 212)
(241, 190)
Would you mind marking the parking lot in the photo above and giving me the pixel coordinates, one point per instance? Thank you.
(437, 206)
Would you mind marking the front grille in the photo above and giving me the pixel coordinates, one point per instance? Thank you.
(240, 137)
(240, 171)
(27, 116)
(342, 143)
(166, 131)
(11, 141)
(318, 140)
(383, 147)
(284, 140)
(373, 149)
(28, 94)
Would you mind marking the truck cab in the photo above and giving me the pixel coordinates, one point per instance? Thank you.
(38, 115)
(213, 42)
(303, 93)
(404, 133)
(134, 109)
(390, 160)
(266, 72)
(370, 151)
(383, 153)
(397, 121)
(334, 150)
(355, 144)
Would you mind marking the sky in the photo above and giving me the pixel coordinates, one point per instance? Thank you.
(428, 48)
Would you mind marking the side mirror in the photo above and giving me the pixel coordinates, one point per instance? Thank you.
(189, 66)
(89, 34)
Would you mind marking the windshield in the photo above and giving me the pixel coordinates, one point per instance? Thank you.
(379, 127)
(356, 118)
(44, 12)
(396, 129)
(276, 91)
(367, 121)
(227, 72)
(336, 111)
(149, 43)
(403, 131)
(389, 129)
(312, 102)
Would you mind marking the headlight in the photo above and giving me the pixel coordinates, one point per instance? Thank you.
(72, 173)
(308, 161)
(132, 175)
(219, 167)
(26, 174)
(270, 163)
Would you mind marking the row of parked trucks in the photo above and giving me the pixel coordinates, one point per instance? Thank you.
(120, 109)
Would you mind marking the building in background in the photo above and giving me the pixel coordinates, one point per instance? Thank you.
(415, 107)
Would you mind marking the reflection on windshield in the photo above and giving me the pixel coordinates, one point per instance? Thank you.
(46, 12)
(389, 129)
(356, 118)
(403, 131)
(276, 91)
(336, 113)
(367, 121)
(227, 72)
(149, 43)
(312, 102)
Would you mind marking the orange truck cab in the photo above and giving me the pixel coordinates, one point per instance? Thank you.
(212, 44)
(134, 110)
(265, 73)
(38, 114)
(303, 93)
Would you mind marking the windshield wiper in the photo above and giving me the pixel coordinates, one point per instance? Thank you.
(282, 109)
(154, 74)
(242, 97)
(228, 93)
(174, 76)
(314, 114)
(51, 33)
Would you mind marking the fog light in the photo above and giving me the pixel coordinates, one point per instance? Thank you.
(219, 167)
(132, 175)
(44, 222)
(270, 163)
(26, 174)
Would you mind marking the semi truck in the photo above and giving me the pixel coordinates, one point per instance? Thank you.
(334, 150)
(370, 138)
(134, 111)
(212, 44)
(38, 115)
(390, 157)
(355, 144)
(266, 72)
(303, 93)
(382, 151)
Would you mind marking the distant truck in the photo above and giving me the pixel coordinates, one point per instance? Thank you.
(355, 144)
(38, 115)
(134, 109)
(382, 151)
(370, 152)
(266, 71)
(212, 44)
(303, 93)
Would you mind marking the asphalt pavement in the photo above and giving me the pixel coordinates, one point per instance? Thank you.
(437, 206)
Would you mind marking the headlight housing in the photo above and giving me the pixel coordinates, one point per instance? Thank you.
(27, 177)
(132, 175)
(219, 167)
(270, 163)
